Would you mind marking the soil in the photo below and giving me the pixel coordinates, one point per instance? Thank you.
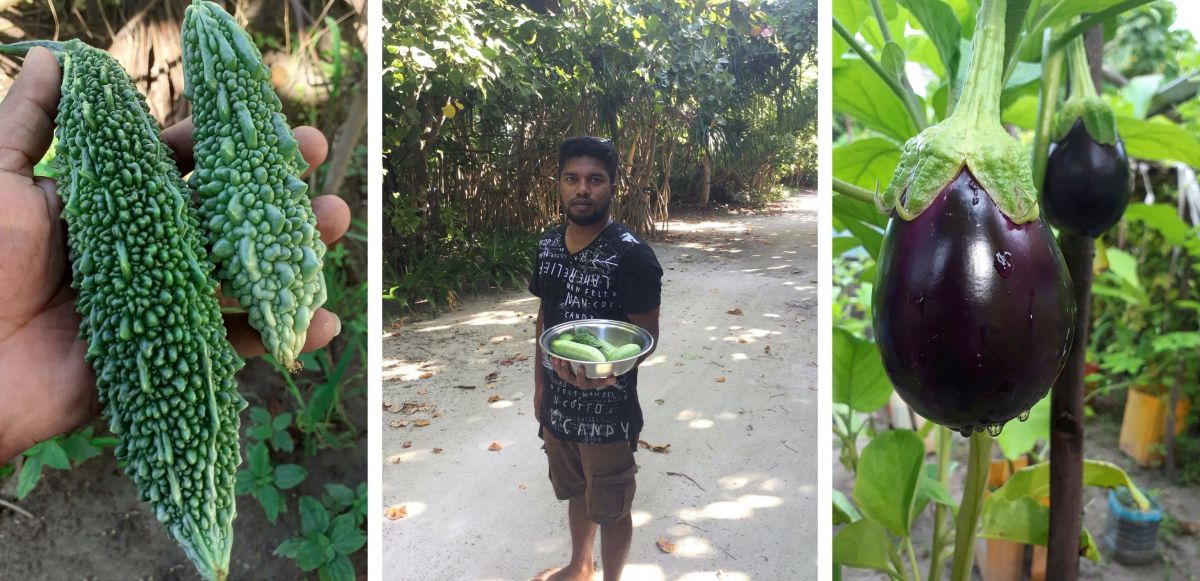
(1179, 547)
(732, 389)
(89, 523)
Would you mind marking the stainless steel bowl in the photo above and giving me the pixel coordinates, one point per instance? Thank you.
(616, 332)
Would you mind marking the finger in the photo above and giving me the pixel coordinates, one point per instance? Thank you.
(27, 113)
(333, 217)
(247, 342)
(313, 146)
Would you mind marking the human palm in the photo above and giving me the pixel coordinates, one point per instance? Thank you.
(46, 387)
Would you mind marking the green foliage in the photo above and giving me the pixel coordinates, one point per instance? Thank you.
(1144, 43)
(326, 543)
(61, 453)
(255, 210)
(273, 431)
(265, 481)
(341, 498)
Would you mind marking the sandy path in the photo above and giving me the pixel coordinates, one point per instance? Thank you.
(746, 508)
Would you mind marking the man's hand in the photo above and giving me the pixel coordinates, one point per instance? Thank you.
(46, 388)
(568, 373)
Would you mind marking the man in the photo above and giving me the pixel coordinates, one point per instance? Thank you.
(592, 268)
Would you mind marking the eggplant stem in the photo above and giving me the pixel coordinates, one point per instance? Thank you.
(1052, 70)
(937, 559)
(979, 457)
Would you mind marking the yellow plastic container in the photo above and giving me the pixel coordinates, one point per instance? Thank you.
(1144, 422)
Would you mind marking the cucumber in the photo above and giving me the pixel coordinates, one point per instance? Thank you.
(624, 352)
(576, 352)
(565, 337)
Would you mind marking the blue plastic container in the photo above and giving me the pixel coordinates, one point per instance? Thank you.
(1131, 534)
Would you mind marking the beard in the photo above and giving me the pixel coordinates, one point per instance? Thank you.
(587, 215)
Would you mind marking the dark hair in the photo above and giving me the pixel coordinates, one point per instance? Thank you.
(588, 146)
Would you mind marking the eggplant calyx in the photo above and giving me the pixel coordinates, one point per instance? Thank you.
(971, 137)
(1097, 116)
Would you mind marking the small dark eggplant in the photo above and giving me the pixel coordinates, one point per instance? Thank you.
(1088, 183)
(973, 308)
(974, 313)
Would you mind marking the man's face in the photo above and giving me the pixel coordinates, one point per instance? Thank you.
(584, 190)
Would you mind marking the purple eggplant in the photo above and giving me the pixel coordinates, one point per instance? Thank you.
(974, 313)
(973, 308)
(1087, 184)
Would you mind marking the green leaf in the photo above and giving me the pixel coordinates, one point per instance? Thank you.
(1065, 10)
(54, 456)
(1024, 520)
(289, 475)
(1161, 217)
(867, 163)
(1034, 481)
(1018, 438)
(889, 471)
(282, 421)
(1140, 92)
(282, 441)
(313, 517)
(1014, 21)
(245, 482)
(290, 548)
(940, 23)
(859, 380)
(346, 536)
(1158, 141)
(79, 448)
(861, 94)
(843, 510)
(1124, 266)
(1021, 113)
(260, 415)
(340, 493)
(31, 472)
(863, 544)
(311, 556)
(271, 501)
(260, 462)
(1176, 341)
(844, 244)
(933, 490)
(338, 569)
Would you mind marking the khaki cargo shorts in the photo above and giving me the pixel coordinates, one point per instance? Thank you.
(603, 473)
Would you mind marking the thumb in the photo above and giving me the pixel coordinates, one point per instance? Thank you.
(27, 113)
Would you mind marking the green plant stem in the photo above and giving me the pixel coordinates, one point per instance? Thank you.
(912, 557)
(852, 191)
(883, 26)
(1080, 79)
(972, 502)
(907, 98)
(1076, 30)
(1058, 45)
(939, 512)
(1052, 70)
(979, 103)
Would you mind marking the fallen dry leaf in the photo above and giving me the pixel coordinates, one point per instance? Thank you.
(396, 512)
(425, 375)
(420, 423)
(436, 415)
(665, 545)
(737, 312)
(520, 487)
(654, 448)
(465, 386)
(437, 450)
(387, 406)
(520, 357)
(495, 447)
(491, 377)
(506, 362)
(721, 379)
(680, 364)
(742, 340)
(394, 459)
(767, 350)
(494, 399)
(399, 423)
(407, 444)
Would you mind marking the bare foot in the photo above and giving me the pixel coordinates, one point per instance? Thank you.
(567, 574)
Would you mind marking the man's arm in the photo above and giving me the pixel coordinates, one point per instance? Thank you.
(538, 375)
(649, 322)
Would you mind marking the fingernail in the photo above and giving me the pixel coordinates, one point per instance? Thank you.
(337, 322)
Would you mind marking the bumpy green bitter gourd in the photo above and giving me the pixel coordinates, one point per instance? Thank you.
(255, 210)
(163, 366)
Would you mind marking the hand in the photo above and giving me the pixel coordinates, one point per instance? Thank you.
(46, 388)
(567, 373)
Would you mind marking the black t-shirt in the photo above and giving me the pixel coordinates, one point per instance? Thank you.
(617, 274)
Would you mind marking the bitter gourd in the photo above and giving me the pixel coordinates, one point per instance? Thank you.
(164, 369)
(254, 209)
